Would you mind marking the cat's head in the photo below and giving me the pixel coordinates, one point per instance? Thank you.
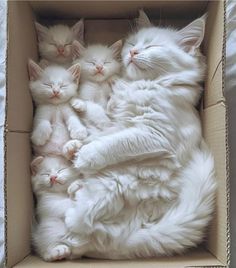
(153, 51)
(98, 62)
(55, 42)
(54, 84)
(51, 173)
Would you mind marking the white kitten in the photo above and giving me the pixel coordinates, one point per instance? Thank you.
(55, 122)
(55, 42)
(100, 65)
(51, 177)
(158, 121)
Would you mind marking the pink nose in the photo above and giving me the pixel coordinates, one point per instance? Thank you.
(53, 179)
(55, 92)
(133, 52)
(61, 49)
(99, 67)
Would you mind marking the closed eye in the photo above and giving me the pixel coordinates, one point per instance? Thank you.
(64, 86)
(52, 44)
(107, 62)
(91, 62)
(68, 44)
(47, 85)
(61, 169)
(44, 174)
(131, 44)
(152, 46)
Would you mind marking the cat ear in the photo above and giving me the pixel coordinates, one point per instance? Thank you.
(35, 71)
(192, 35)
(77, 49)
(116, 48)
(41, 30)
(142, 20)
(34, 164)
(78, 30)
(75, 72)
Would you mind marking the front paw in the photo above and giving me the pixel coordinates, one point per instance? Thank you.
(41, 134)
(70, 148)
(56, 253)
(79, 133)
(74, 187)
(78, 105)
(89, 158)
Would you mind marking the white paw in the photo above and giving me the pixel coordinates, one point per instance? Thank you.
(78, 133)
(78, 105)
(88, 158)
(70, 148)
(74, 187)
(57, 253)
(41, 134)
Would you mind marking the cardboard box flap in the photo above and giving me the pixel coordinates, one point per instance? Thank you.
(213, 48)
(20, 31)
(117, 9)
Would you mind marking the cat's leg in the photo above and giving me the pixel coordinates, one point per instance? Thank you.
(76, 129)
(96, 114)
(119, 147)
(42, 127)
(78, 104)
(56, 253)
(70, 148)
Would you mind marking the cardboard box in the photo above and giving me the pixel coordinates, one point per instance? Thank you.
(108, 21)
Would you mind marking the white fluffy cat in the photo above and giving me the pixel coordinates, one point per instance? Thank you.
(159, 143)
(51, 177)
(57, 127)
(55, 42)
(100, 65)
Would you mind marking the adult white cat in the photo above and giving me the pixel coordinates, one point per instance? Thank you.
(55, 42)
(100, 65)
(160, 138)
(55, 122)
(51, 177)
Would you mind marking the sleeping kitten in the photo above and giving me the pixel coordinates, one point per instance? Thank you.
(100, 65)
(159, 143)
(55, 122)
(55, 42)
(51, 176)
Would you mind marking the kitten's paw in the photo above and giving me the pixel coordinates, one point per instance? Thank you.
(74, 187)
(41, 134)
(70, 148)
(78, 105)
(79, 133)
(58, 252)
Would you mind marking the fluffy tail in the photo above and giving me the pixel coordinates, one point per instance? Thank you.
(184, 225)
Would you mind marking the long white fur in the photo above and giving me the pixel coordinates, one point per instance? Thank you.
(95, 87)
(51, 239)
(57, 128)
(157, 151)
(53, 37)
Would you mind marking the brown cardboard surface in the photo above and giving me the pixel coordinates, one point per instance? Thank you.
(117, 9)
(19, 197)
(213, 47)
(21, 46)
(213, 121)
(197, 258)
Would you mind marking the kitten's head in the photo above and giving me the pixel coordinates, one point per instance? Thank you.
(154, 51)
(52, 174)
(98, 62)
(54, 84)
(55, 42)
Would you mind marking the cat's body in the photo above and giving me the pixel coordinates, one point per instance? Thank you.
(100, 66)
(55, 42)
(51, 177)
(155, 151)
(55, 121)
